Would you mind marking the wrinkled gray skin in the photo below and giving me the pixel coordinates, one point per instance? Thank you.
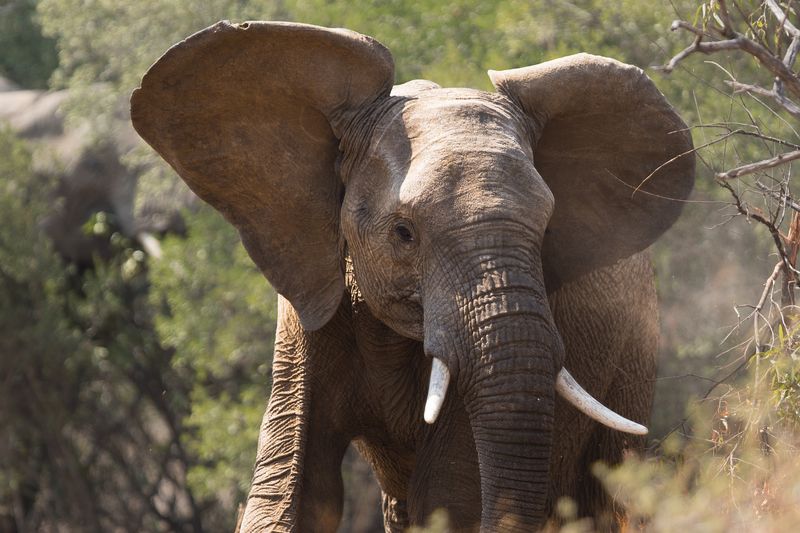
(498, 232)
(90, 176)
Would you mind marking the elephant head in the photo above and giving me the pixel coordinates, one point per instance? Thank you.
(90, 176)
(459, 209)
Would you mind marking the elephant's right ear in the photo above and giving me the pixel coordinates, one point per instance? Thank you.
(249, 115)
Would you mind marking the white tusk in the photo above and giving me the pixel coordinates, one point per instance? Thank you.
(586, 404)
(150, 244)
(437, 389)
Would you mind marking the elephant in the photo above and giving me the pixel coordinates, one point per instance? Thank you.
(446, 260)
(90, 176)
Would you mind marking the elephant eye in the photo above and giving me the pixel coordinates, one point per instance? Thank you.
(403, 232)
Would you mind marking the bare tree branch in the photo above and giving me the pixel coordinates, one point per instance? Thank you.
(781, 197)
(764, 33)
(751, 168)
(788, 105)
(783, 18)
(735, 41)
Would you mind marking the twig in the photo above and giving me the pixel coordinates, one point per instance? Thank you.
(697, 46)
(783, 18)
(682, 24)
(751, 168)
(784, 198)
(789, 106)
(736, 41)
(714, 385)
(727, 24)
(773, 230)
(768, 286)
(755, 134)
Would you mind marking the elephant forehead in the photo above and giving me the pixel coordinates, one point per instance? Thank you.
(456, 151)
(447, 117)
(445, 121)
(474, 184)
(462, 144)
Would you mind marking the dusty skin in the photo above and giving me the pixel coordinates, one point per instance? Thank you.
(503, 234)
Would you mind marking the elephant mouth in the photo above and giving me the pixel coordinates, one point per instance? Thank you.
(405, 314)
(566, 386)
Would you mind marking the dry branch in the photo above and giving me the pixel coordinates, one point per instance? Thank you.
(783, 18)
(734, 40)
(776, 94)
(768, 286)
(781, 197)
(751, 168)
(771, 41)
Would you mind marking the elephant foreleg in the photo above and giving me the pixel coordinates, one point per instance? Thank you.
(395, 516)
(631, 396)
(274, 494)
(609, 323)
(297, 484)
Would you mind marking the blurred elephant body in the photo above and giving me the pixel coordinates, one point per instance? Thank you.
(442, 255)
(91, 176)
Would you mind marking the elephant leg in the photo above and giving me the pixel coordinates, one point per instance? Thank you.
(322, 493)
(297, 484)
(392, 470)
(395, 515)
(609, 323)
(586, 442)
(632, 397)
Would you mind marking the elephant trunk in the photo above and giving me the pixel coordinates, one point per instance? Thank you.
(498, 340)
(510, 408)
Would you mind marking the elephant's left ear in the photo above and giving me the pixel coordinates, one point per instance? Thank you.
(617, 157)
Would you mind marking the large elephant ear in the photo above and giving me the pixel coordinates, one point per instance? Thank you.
(249, 115)
(615, 154)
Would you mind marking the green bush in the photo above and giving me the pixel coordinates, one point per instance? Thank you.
(218, 313)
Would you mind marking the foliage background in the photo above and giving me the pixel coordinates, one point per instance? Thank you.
(139, 377)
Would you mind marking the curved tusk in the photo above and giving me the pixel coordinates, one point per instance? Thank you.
(150, 244)
(588, 405)
(437, 389)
